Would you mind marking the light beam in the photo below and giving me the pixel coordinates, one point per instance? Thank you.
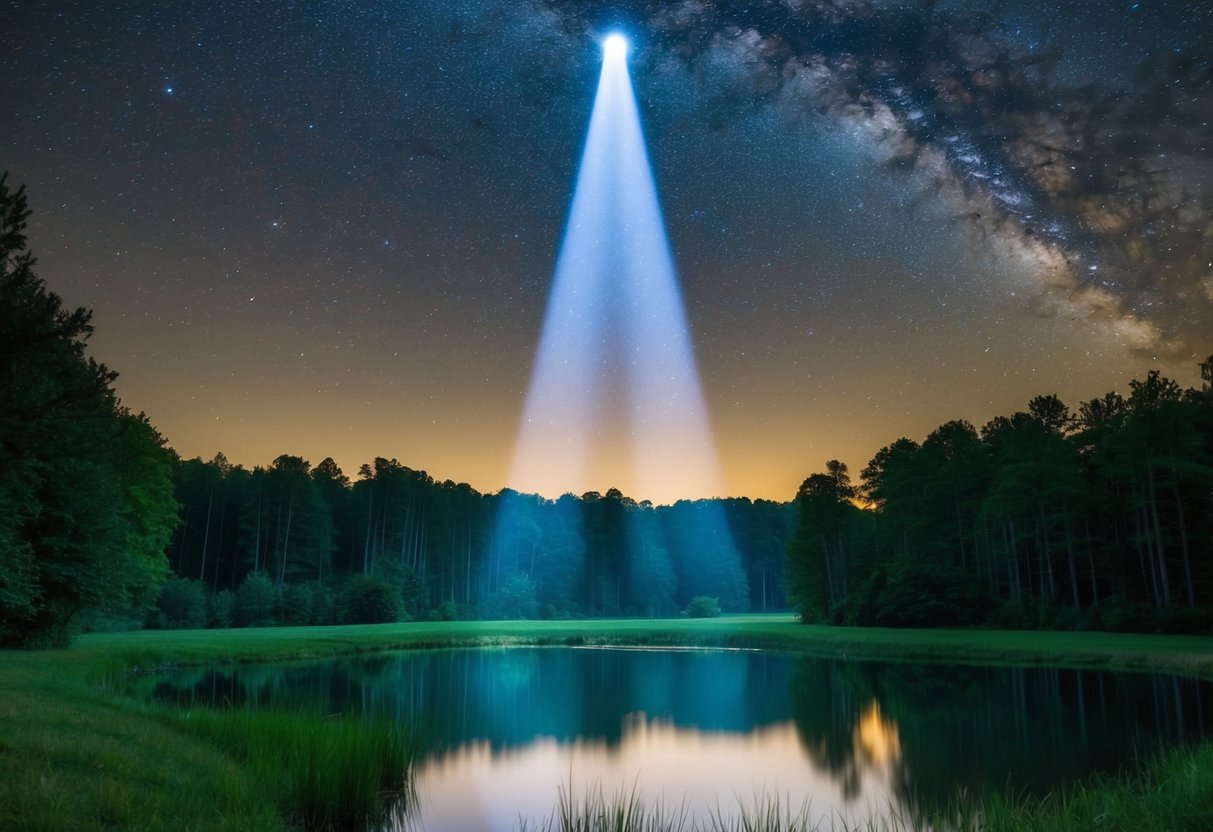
(615, 47)
(615, 397)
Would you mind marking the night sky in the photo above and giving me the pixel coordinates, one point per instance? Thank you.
(329, 228)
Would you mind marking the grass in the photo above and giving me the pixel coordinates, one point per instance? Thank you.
(327, 772)
(594, 811)
(77, 751)
(115, 654)
(1174, 793)
(73, 756)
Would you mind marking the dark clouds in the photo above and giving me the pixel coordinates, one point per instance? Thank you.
(1101, 185)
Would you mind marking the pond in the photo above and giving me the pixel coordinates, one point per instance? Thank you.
(506, 728)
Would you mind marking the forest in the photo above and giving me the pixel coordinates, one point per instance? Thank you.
(291, 535)
(1100, 518)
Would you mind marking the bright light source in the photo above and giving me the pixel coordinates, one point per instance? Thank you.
(614, 398)
(615, 47)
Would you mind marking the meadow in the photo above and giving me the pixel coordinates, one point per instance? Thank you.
(79, 751)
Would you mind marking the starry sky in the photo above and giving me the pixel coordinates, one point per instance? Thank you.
(329, 228)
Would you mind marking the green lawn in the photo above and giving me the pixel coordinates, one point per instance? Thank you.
(75, 753)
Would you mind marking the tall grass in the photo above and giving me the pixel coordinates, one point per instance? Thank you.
(622, 811)
(628, 812)
(1172, 793)
(325, 773)
(80, 750)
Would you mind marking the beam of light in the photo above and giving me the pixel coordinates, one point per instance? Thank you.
(615, 47)
(615, 380)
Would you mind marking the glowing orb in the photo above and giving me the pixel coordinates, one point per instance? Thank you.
(615, 47)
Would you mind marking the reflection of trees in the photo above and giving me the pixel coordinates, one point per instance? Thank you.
(978, 728)
(827, 701)
(511, 696)
(929, 729)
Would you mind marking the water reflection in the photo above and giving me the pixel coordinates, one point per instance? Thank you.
(977, 728)
(505, 728)
(468, 788)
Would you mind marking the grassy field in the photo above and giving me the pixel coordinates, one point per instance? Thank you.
(76, 753)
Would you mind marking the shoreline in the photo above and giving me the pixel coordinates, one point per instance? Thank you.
(78, 752)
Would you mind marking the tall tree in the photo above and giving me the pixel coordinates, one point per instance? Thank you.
(85, 500)
(817, 555)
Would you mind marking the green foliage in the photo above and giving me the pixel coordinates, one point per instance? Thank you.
(78, 755)
(623, 811)
(704, 553)
(324, 773)
(256, 600)
(446, 611)
(222, 609)
(181, 605)
(86, 505)
(703, 606)
(443, 543)
(308, 603)
(517, 598)
(298, 605)
(924, 595)
(365, 599)
(820, 555)
(1043, 519)
(1173, 793)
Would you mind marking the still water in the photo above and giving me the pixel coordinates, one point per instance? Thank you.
(505, 728)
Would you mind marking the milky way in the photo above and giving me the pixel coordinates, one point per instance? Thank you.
(332, 228)
(1106, 185)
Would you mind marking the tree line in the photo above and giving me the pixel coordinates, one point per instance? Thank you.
(1099, 518)
(86, 498)
(445, 551)
(102, 524)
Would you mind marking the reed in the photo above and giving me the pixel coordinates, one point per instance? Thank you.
(1173, 792)
(324, 772)
(623, 811)
(80, 749)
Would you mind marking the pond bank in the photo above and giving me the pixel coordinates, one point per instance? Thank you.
(77, 754)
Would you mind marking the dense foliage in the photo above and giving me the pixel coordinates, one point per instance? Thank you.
(86, 502)
(1045, 518)
(279, 544)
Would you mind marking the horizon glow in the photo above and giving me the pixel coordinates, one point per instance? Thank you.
(615, 397)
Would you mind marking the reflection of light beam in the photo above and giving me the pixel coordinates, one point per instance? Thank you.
(615, 370)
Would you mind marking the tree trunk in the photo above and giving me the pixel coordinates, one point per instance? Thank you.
(370, 523)
(1183, 538)
(206, 534)
(1162, 561)
(960, 534)
(1048, 551)
(1008, 538)
(286, 541)
(257, 535)
(1070, 557)
(1091, 562)
(219, 554)
(1149, 582)
(829, 594)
